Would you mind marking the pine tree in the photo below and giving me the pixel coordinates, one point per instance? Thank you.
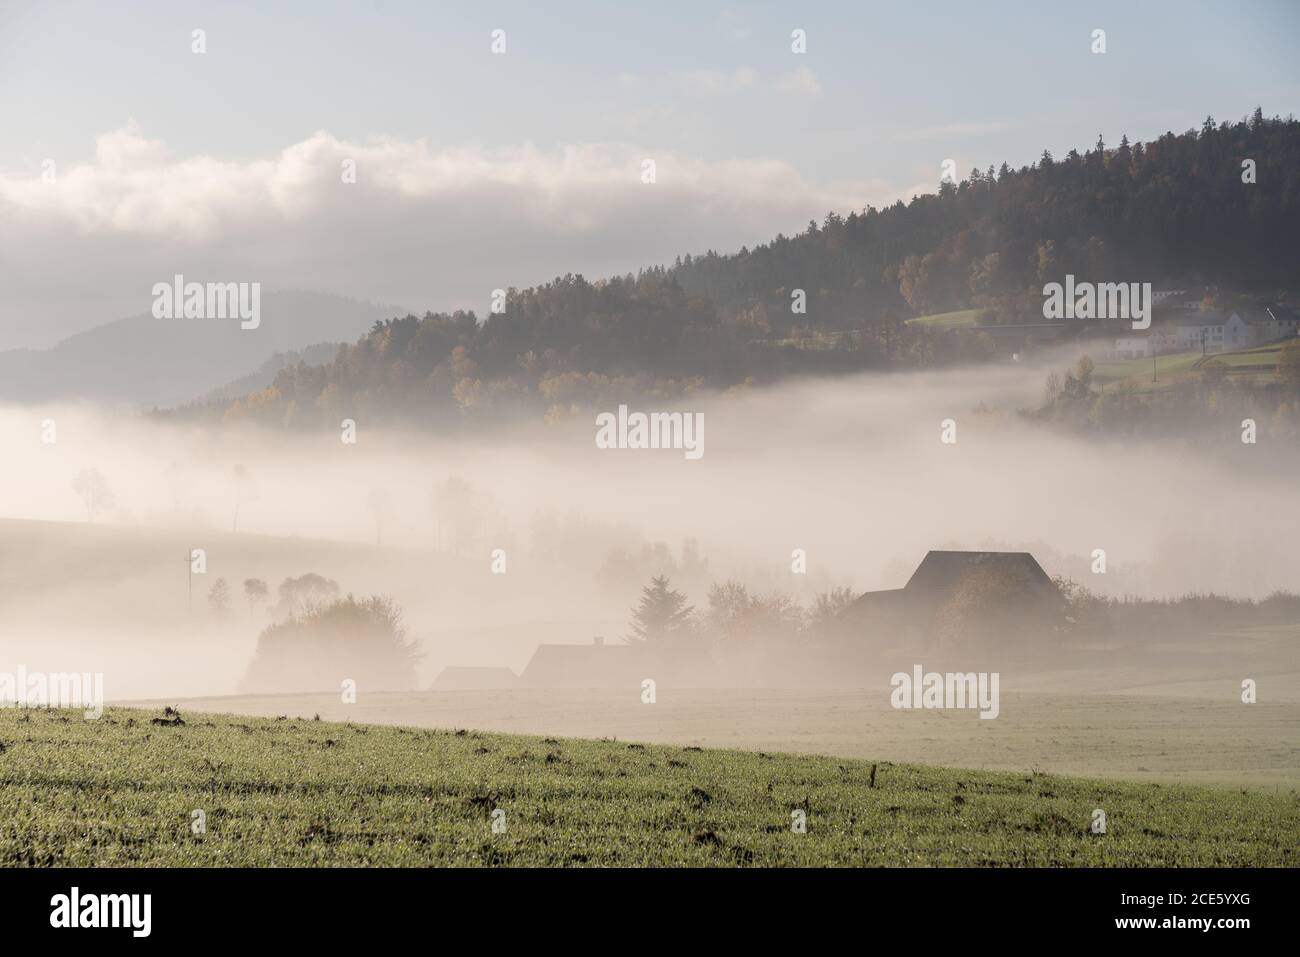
(661, 616)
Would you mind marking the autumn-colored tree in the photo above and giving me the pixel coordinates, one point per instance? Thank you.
(1288, 365)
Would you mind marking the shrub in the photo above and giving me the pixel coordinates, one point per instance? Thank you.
(317, 649)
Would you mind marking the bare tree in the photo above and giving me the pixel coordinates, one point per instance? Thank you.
(94, 492)
(302, 594)
(255, 591)
(219, 599)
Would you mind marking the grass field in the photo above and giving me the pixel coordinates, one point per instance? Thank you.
(1174, 367)
(961, 319)
(1157, 735)
(1166, 712)
(123, 791)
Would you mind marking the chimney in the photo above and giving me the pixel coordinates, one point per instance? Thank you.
(598, 641)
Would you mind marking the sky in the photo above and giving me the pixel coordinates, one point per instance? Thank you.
(128, 157)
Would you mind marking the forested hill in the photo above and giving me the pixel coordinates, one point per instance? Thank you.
(1175, 208)
(1172, 209)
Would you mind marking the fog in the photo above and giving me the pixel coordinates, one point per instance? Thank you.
(850, 470)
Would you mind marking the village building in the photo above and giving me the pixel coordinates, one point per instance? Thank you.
(1132, 347)
(596, 665)
(1203, 331)
(461, 678)
(1279, 322)
(946, 602)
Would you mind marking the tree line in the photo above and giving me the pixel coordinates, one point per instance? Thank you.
(834, 298)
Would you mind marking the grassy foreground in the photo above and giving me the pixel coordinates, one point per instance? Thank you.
(123, 791)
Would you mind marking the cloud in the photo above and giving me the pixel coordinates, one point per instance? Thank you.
(423, 226)
(802, 80)
(716, 82)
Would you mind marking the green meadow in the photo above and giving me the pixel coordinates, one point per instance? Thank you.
(130, 790)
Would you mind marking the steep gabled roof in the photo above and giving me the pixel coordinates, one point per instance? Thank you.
(939, 571)
(461, 678)
(581, 666)
(879, 603)
(1202, 319)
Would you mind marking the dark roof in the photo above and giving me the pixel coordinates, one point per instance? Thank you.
(940, 571)
(887, 602)
(581, 666)
(462, 678)
(1200, 319)
(937, 577)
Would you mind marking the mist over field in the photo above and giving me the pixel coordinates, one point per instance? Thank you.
(849, 469)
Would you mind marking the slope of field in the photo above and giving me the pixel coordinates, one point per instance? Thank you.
(1194, 733)
(1259, 362)
(961, 319)
(77, 596)
(125, 791)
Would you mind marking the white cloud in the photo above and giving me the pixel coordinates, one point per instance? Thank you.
(716, 82)
(423, 226)
(802, 80)
(135, 187)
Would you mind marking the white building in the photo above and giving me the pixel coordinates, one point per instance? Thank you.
(1279, 323)
(1212, 332)
(1132, 347)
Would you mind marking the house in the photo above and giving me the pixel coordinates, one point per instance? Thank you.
(1132, 347)
(458, 678)
(596, 665)
(950, 598)
(1278, 323)
(1166, 297)
(1162, 341)
(1209, 331)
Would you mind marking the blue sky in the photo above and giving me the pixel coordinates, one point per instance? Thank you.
(1004, 79)
(883, 95)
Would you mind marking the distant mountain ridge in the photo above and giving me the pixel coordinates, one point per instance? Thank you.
(146, 361)
(1218, 206)
(316, 354)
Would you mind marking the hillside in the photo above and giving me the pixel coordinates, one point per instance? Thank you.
(159, 362)
(1172, 208)
(125, 790)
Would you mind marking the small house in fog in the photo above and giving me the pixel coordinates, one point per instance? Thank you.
(1279, 323)
(596, 665)
(1132, 347)
(1211, 331)
(459, 678)
(953, 598)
